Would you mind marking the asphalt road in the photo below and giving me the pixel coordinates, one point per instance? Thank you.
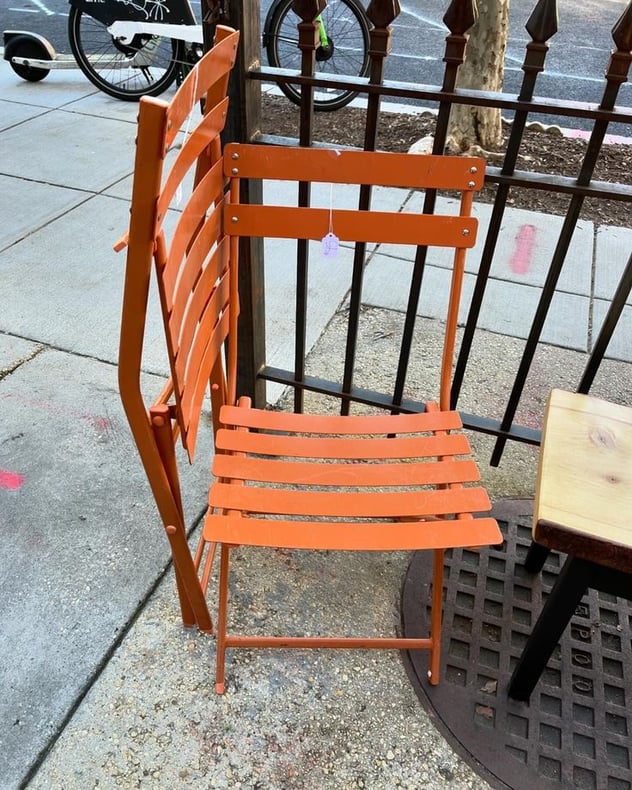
(578, 55)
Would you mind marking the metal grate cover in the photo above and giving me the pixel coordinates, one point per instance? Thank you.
(577, 730)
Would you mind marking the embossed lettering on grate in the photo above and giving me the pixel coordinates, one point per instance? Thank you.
(577, 730)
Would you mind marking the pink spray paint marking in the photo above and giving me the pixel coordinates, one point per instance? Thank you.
(99, 423)
(10, 480)
(525, 241)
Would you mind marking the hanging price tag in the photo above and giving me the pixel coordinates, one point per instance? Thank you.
(330, 245)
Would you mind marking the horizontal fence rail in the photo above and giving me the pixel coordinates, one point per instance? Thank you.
(459, 18)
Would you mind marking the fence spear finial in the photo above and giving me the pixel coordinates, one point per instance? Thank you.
(622, 31)
(308, 10)
(383, 12)
(460, 16)
(542, 24)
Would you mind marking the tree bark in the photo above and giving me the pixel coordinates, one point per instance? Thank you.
(480, 127)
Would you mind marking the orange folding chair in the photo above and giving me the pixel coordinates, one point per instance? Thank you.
(386, 482)
(197, 148)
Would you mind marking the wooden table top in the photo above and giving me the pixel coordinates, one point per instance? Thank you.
(585, 476)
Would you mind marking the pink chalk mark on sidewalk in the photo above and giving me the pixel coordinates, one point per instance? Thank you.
(520, 261)
(10, 480)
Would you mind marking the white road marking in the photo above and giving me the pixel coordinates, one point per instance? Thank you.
(421, 18)
(42, 7)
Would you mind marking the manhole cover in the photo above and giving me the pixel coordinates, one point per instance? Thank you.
(576, 731)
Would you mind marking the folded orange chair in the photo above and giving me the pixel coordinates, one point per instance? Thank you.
(385, 482)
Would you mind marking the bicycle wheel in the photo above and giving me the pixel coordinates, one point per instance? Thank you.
(145, 66)
(347, 30)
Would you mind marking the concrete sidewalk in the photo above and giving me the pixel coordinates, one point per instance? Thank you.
(101, 685)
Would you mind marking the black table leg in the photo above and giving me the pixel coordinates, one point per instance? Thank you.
(575, 577)
(536, 557)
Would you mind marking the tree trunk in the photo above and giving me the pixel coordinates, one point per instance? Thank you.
(480, 127)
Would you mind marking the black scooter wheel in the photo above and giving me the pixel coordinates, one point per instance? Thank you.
(27, 47)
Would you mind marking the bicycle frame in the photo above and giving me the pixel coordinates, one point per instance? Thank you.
(177, 12)
(322, 33)
(127, 18)
(168, 18)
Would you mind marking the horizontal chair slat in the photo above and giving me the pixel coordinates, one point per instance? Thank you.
(335, 423)
(215, 68)
(349, 225)
(350, 474)
(326, 447)
(354, 167)
(193, 144)
(367, 536)
(356, 504)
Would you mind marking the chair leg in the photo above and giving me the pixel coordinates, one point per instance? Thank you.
(436, 617)
(536, 557)
(221, 619)
(186, 610)
(192, 599)
(572, 583)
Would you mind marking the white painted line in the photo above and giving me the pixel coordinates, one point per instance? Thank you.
(421, 18)
(43, 7)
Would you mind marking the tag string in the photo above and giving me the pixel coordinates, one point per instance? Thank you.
(331, 208)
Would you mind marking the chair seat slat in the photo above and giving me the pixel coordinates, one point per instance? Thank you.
(346, 474)
(328, 447)
(366, 536)
(354, 504)
(338, 424)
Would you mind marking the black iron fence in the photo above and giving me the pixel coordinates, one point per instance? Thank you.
(459, 18)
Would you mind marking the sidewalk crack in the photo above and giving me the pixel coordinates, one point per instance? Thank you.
(9, 369)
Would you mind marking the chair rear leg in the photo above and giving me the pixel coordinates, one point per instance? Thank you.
(222, 612)
(192, 599)
(186, 610)
(436, 616)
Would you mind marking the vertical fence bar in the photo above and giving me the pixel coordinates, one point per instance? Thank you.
(616, 75)
(381, 13)
(459, 18)
(308, 41)
(541, 26)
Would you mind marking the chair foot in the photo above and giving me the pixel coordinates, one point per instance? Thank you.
(536, 557)
(220, 688)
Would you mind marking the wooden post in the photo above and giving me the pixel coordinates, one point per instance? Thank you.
(244, 125)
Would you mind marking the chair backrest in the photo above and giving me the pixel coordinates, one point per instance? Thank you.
(196, 258)
(463, 175)
(190, 255)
